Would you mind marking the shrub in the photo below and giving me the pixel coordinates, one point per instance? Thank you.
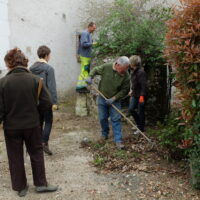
(131, 28)
(169, 135)
(182, 52)
(134, 27)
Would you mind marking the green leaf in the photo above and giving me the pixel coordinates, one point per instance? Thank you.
(194, 105)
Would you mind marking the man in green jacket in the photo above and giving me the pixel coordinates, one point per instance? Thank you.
(114, 85)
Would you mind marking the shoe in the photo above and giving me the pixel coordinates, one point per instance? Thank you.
(22, 193)
(48, 188)
(46, 149)
(119, 145)
(82, 90)
(103, 139)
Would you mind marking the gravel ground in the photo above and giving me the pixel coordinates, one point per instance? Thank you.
(71, 168)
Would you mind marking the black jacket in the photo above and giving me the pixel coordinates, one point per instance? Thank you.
(138, 82)
(19, 101)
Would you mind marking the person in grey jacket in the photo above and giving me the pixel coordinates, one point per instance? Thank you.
(42, 69)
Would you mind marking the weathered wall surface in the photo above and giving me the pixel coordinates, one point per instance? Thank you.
(29, 24)
(5, 32)
(51, 23)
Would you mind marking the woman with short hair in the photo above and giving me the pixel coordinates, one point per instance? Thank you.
(20, 100)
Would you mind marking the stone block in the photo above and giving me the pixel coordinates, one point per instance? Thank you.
(81, 105)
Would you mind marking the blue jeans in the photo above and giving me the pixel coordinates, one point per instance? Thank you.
(46, 120)
(106, 111)
(136, 109)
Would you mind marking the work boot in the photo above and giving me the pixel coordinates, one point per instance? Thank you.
(48, 188)
(46, 149)
(103, 139)
(22, 193)
(119, 145)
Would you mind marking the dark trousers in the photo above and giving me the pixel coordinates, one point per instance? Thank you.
(15, 140)
(136, 109)
(46, 120)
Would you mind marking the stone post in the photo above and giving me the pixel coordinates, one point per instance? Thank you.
(81, 105)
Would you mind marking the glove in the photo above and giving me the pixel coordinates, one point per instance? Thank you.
(54, 107)
(109, 101)
(141, 99)
(89, 80)
(130, 93)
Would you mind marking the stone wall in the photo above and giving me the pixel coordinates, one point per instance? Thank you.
(5, 32)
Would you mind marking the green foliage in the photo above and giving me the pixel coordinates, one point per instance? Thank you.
(121, 154)
(177, 138)
(138, 27)
(182, 51)
(98, 160)
(194, 160)
(133, 29)
(169, 133)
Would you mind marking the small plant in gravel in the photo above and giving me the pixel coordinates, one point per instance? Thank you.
(98, 160)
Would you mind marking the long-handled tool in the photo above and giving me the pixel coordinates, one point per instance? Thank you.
(127, 119)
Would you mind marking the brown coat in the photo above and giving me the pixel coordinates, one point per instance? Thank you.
(18, 99)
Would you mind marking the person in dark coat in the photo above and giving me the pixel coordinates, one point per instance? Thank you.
(45, 71)
(20, 100)
(137, 92)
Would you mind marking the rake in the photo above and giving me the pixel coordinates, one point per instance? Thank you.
(126, 118)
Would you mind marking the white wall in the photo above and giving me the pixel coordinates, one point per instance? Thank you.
(28, 24)
(4, 33)
(52, 23)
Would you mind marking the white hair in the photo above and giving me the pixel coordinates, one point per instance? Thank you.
(123, 61)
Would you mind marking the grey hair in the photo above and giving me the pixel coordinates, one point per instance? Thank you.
(135, 60)
(123, 61)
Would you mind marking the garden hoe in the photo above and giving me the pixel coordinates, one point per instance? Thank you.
(126, 118)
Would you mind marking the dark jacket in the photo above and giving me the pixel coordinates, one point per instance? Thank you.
(46, 72)
(19, 101)
(138, 82)
(85, 44)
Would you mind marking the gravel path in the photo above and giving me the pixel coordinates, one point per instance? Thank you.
(71, 168)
